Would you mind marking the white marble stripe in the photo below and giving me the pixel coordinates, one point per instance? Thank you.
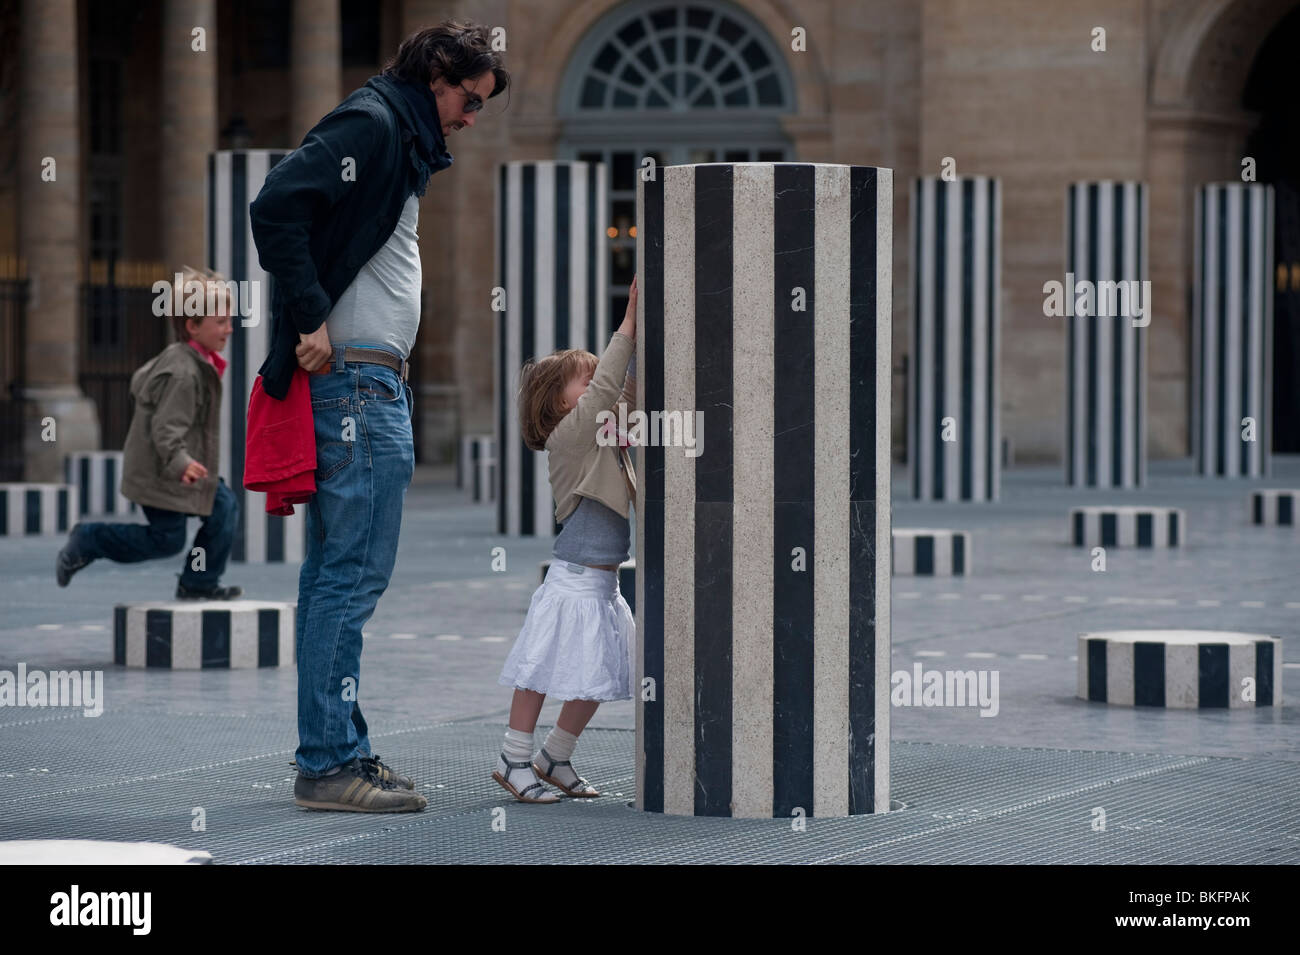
(980, 448)
(923, 370)
(1103, 385)
(545, 218)
(1232, 410)
(512, 477)
(884, 350)
(953, 451)
(995, 360)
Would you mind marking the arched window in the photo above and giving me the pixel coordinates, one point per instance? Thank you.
(680, 82)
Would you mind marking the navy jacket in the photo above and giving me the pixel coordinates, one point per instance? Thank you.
(314, 228)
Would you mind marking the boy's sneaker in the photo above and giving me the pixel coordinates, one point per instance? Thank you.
(216, 593)
(355, 788)
(70, 559)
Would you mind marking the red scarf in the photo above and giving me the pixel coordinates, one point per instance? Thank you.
(212, 358)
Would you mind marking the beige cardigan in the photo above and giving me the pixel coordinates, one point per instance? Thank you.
(581, 467)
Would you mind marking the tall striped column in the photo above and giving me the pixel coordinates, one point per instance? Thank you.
(762, 584)
(953, 421)
(1232, 330)
(1106, 363)
(551, 218)
(234, 178)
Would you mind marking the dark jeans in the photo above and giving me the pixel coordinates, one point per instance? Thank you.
(164, 536)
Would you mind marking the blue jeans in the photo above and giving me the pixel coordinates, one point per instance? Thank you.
(164, 536)
(365, 456)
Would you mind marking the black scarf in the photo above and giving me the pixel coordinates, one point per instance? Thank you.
(430, 149)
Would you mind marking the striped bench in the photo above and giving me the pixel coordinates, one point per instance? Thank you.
(96, 481)
(1276, 507)
(204, 635)
(35, 510)
(927, 552)
(626, 580)
(1179, 669)
(1118, 526)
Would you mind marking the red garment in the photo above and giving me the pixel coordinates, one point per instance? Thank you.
(213, 359)
(280, 445)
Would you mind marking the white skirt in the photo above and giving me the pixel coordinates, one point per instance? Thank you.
(578, 640)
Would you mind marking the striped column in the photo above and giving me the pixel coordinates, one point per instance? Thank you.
(930, 553)
(204, 635)
(1106, 363)
(96, 481)
(476, 467)
(35, 510)
(1180, 669)
(234, 180)
(1232, 329)
(762, 586)
(1122, 526)
(551, 218)
(954, 425)
(1276, 507)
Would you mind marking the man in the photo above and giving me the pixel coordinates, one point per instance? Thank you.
(335, 225)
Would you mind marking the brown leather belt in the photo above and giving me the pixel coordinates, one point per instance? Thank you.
(371, 356)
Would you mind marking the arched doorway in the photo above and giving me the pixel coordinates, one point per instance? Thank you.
(680, 82)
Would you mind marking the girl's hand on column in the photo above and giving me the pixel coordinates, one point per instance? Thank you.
(628, 327)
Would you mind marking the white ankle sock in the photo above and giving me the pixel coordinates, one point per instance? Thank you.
(559, 745)
(518, 748)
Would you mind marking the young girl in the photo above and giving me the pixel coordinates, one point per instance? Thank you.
(577, 640)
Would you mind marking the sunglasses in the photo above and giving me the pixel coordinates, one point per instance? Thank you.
(473, 102)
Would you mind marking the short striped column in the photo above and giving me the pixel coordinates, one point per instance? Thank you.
(204, 635)
(35, 510)
(762, 554)
(626, 580)
(927, 552)
(1232, 330)
(1122, 526)
(1180, 669)
(96, 481)
(551, 218)
(954, 422)
(235, 178)
(1275, 507)
(476, 467)
(1106, 365)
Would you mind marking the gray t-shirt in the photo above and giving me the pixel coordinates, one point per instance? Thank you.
(382, 305)
(593, 534)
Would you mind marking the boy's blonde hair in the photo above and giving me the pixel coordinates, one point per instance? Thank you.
(215, 285)
(541, 391)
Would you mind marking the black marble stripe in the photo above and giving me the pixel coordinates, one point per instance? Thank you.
(158, 638)
(1097, 670)
(650, 526)
(268, 638)
(931, 428)
(563, 227)
(966, 432)
(1148, 674)
(215, 642)
(505, 441)
(1212, 675)
(528, 344)
(1264, 673)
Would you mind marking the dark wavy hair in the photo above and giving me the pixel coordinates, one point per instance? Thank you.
(454, 50)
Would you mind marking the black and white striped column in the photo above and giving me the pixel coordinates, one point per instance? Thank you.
(96, 481)
(551, 218)
(1180, 669)
(926, 552)
(1232, 330)
(763, 562)
(953, 421)
(35, 510)
(1106, 363)
(476, 467)
(1275, 507)
(234, 180)
(1125, 526)
(204, 635)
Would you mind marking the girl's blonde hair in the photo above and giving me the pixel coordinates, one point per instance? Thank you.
(541, 391)
(214, 285)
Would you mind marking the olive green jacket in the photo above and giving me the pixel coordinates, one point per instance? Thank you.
(579, 465)
(177, 419)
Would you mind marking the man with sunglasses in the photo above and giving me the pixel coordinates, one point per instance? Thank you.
(335, 226)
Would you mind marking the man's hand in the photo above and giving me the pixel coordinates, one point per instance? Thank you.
(314, 349)
(193, 471)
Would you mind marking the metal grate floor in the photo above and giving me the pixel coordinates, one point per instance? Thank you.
(131, 775)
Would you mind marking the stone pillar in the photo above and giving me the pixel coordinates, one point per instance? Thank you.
(953, 416)
(315, 64)
(189, 127)
(551, 262)
(1106, 363)
(234, 180)
(49, 239)
(1232, 330)
(763, 544)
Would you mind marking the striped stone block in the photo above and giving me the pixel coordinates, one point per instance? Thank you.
(953, 414)
(763, 555)
(1120, 526)
(235, 178)
(35, 510)
(1274, 506)
(476, 467)
(204, 635)
(927, 552)
(1232, 329)
(1180, 669)
(1106, 363)
(96, 481)
(551, 219)
(626, 580)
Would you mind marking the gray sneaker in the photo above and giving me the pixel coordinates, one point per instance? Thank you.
(70, 558)
(355, 788)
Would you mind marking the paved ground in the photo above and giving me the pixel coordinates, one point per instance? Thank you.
(1177, 786)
